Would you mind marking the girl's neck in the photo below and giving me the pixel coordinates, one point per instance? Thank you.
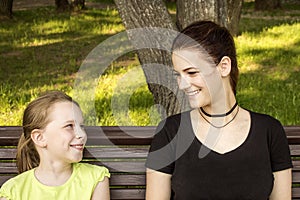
(53, 174)
(221, 106)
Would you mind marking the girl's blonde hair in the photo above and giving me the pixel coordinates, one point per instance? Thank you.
(36, 117)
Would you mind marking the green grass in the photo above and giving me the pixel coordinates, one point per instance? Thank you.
(269, 60)
(42, 50)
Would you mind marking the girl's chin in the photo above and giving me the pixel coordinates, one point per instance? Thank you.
(196, 103)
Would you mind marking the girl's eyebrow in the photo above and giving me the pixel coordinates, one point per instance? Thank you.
(189, 68)
(69, 121)
(186, 69)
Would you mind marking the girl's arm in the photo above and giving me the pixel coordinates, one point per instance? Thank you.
(282, 189)
(101, 191)
(2, 198)
(158, 185)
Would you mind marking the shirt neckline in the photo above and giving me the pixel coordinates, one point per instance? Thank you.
(46, 187)
(228, 152)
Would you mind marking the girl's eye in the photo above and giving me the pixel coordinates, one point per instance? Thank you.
(70, 126)
(193, 72)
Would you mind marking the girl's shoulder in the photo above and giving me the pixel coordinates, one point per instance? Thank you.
(175, 119)
(20, 178)
(16, 183)
(264, 119)
(91, 171)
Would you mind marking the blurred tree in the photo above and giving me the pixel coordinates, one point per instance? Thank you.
(267, 4)
(64, 5)
(6, 8)
(154, 13)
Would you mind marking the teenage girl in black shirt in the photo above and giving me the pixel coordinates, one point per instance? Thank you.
(218, 150)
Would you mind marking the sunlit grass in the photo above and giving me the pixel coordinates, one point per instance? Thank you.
(270, 71)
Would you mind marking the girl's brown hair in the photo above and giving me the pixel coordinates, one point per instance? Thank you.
(214, 39)
(36, 117)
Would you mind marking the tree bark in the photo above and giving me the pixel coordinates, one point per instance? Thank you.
(153, 13)
(226, 13)
(267, 4)
(62, 5)
(6, 8)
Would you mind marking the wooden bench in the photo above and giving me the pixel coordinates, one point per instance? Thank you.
(123, 150)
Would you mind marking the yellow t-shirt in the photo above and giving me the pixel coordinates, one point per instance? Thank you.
(80, 185)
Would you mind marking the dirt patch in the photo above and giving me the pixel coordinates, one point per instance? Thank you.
(27, 4)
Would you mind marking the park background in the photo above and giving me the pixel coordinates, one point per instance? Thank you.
(42, 49)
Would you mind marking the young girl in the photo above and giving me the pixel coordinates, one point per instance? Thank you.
(48, 154)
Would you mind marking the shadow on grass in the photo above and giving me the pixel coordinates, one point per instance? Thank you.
(273, 90)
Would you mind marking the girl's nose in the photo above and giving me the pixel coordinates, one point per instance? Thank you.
(80, 132)
(183, 83)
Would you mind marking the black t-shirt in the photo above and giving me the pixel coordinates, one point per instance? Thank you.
(243, 173)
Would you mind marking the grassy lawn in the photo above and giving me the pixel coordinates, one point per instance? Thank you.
(43, 50)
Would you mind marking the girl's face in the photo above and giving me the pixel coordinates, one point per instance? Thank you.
(196, 76)
(64, 134)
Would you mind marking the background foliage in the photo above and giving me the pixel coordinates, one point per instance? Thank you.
(41, 50)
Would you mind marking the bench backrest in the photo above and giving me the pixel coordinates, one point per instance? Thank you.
(123, 150)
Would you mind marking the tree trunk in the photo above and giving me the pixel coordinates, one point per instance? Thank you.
(153, 13)
(267, 4)
(226, 13)
(6, 8)
(62, 5)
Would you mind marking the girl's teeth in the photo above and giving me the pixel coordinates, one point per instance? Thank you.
(193, 93)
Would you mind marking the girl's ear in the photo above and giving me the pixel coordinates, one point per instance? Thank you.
(38, 138)
(225, 66)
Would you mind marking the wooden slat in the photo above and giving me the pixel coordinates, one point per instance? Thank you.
(296, 165)
(295, 150)
(127, 194)
(123, 135)
(296, 177)
(293, 134)
(116, 152)
(113, 166)
(93, 152)
(108, 135)
(127, 179)
(7, 153)
(124, 166)
(9, 135)
(296, 193)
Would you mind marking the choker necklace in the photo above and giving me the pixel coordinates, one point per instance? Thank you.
(220, 115)
(222, 125)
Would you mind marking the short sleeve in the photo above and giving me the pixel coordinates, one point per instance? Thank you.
(279, 148)
(92, 173)
(161, 155)
(103, 172)
(6, 190)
